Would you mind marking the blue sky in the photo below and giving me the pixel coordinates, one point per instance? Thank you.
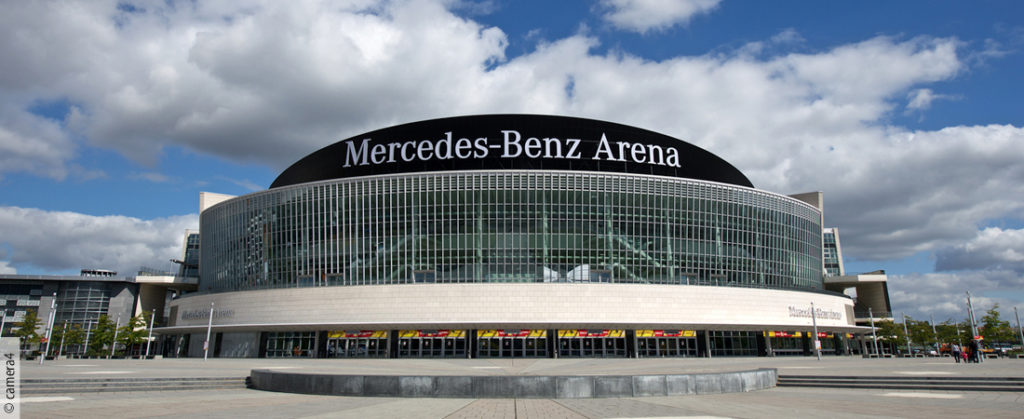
(906, 114)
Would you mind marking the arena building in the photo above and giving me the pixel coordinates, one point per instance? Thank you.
(511, 236)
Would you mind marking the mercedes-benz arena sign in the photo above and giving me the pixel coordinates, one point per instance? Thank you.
(532, 142)
(451, 236)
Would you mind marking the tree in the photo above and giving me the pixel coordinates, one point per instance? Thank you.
(890, 333)
(102, 335)
(27, 329)
(134, 332)
(948, 332)
(71, 336)
(921, 333)
(995, 329)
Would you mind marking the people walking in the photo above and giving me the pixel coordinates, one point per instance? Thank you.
(955, 349)
(975, 349)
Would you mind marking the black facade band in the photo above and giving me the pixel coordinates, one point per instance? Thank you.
(519, 142)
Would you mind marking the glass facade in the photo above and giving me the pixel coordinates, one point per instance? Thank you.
(733, 343)
(832, 255)
(190, 266)
(290, 344)
(82, 302)
(510, 226)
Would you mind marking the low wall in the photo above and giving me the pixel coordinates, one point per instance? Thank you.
(515, 386)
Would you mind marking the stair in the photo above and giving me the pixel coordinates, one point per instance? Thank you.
(33, 386)
(1015, 384)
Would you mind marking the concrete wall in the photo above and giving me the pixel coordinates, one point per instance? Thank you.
(546, 306)
(122, 301)
(560, 387)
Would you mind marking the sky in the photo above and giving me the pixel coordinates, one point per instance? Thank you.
(114, 115)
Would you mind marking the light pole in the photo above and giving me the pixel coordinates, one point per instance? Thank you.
(63, 332)
(88, 331)
(817, 343)
(1019, 330)
(935, 335)
(113, 343)
(49, 327)
(970, 316)
(874, 336)
(906, 332)
(149, 339)
(209, 328)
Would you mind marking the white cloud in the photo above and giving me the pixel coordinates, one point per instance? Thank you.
(6, 268)
(905, 192)
(151, 177)
(992, 248)
(943, 295)
(60, 241)
(921, 99)
(29, 143)
(652, 15)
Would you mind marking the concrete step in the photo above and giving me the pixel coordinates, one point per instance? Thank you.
(1015, 384)
(93, 385)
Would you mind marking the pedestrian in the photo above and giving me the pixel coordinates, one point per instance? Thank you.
(955, 349)
(975, 350)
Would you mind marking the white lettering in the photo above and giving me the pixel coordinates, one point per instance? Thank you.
(391, 151)
(512, 145)
(657, 155)
(622, 150)
(447, 143)
(603, 148)
(356, 156)
(673, 157)
(405, 147)
(424, 150)
(557, 145)
(573, 152)
(638, 153)
(481, 147)
(532, 147)
(463, 144)
(378, 153)
(509, 143)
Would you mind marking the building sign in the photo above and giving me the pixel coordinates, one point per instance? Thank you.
(666, 333)
(819, 313)
(599, 333)
(784, 334)
(349, 334)
(508, 144)
(431, 333)
(205, 314)
(501, 333)
(519, 142)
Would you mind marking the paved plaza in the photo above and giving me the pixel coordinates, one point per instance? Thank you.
(780, 402)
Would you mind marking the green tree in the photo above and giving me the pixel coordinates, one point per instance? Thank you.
(102, 337)
(71, 336)
(134, 332)
(27, 329)
(890, 333)
(948, 332)
(995, 329)
(920, 333)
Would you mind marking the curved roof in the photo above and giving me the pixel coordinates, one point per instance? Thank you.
(532, 142)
